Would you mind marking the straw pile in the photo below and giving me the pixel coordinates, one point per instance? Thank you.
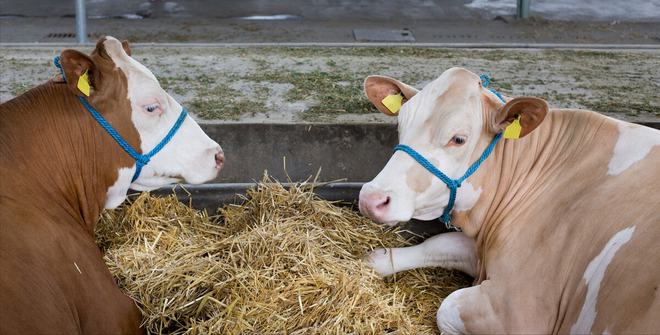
(284, 262)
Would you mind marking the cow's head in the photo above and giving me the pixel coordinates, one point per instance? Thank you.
(129, 96)
(449, 122)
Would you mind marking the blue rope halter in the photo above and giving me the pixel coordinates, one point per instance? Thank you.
(140, 159)
(454, 184)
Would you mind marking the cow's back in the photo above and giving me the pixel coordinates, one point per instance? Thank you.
(617, 290)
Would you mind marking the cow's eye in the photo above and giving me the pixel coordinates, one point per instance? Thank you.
(458, 140)
(151, 108)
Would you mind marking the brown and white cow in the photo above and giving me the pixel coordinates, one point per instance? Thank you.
(560, 228)
(59, 169)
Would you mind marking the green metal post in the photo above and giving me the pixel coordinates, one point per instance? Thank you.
(522, 11)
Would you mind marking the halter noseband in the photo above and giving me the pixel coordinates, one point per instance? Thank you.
(454, 184)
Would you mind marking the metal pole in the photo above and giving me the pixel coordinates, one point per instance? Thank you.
(522, 11)
(81, 22)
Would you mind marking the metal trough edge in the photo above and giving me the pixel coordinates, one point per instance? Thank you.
(211, 196)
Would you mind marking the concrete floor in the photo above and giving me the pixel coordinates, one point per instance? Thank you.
(375, 10)
(430, 21)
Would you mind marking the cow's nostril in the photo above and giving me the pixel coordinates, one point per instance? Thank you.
(384, 203)
(219, 159)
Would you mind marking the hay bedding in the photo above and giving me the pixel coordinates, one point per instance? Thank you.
(284, 262)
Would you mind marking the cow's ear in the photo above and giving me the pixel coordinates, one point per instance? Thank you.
(387, 94)
(126, 47)
(523, 114)
(79, 70)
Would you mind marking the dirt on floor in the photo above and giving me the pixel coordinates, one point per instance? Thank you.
(278, 84)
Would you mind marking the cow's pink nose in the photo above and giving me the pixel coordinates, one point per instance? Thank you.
(220, 159)
(374, 205)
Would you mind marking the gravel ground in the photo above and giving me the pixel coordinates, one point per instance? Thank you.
(325, 84)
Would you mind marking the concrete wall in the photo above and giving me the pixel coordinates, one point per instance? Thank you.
(355, 152)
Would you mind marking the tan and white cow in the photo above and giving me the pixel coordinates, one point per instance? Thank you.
(560, 228)
(58, 170)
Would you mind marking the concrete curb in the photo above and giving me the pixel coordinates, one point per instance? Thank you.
(622, 47)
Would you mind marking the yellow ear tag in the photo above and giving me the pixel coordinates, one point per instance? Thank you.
(513, 130)
(83, 83)
(393, 102)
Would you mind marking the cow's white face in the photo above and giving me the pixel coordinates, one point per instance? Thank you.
(191, 155)
(449, 122)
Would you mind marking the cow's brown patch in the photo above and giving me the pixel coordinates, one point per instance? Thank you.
(445, 102)
(56, 165)
(418, 178)
(456, 97)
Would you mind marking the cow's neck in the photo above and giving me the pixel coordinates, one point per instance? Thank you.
(60, 160)
(522, 175)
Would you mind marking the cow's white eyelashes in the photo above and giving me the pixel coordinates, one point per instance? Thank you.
(150, 108)
(457, 140)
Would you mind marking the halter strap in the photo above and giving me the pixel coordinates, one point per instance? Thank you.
(454, 184)
(140, 159)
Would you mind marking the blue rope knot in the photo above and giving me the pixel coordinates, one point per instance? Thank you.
(59, 66)
(143, 160)
(140, 159)
(485, 81)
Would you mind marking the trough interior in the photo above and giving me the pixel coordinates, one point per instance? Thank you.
(348, 155)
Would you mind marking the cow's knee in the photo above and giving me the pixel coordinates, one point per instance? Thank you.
(452, 251)
(470, 310)
(449, 315)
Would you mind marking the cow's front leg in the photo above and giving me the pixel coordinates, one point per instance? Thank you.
(453, 251)
(468, 311)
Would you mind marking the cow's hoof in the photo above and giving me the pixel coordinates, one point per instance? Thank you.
(381, 261)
